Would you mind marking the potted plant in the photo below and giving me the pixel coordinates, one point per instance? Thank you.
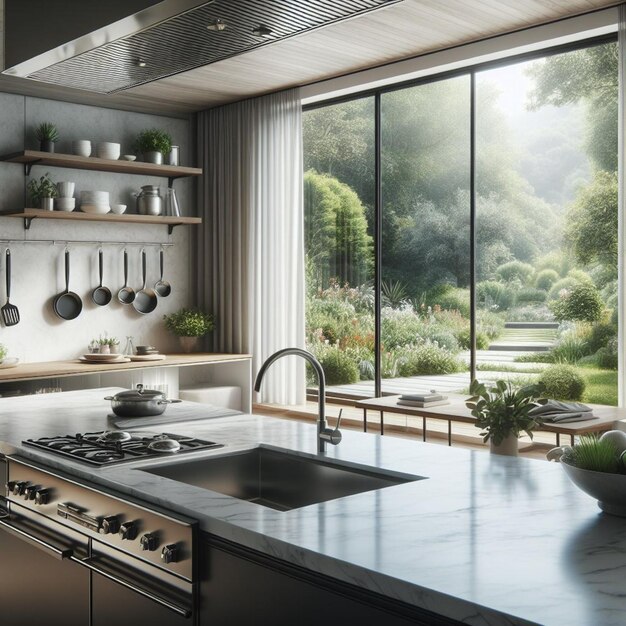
(42, 192)
(3, 352)
(503, 412)
(189, 325)
(46, 134)
(153, 144)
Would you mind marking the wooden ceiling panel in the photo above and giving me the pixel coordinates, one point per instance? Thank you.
(399, 31)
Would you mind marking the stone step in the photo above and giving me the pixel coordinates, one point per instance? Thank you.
(530, 325)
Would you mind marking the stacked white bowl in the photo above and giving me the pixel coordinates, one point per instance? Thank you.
(94, 202)
(82, 147)
(66, 200)
(108, 150)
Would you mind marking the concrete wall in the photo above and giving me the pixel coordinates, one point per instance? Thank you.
(38, 270)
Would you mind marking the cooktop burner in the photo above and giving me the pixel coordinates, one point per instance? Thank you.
(117, 446)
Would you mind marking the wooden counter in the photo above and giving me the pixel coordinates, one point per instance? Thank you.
(74, 367)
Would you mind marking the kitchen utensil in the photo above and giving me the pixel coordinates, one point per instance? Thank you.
(126, 294)
(172, 208)
(10, 313)
(108, 150)
(67, 304)
(65, 204)
(101, 295)
(162, 287)
(82, 147)
(149, 201)
(139, 402)
(146, 300)
(121, 359)
(118, 209)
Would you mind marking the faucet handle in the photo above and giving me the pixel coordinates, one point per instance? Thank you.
(334, 436)
(338, 420)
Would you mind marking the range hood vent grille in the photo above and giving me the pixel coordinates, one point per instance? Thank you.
(183, 42)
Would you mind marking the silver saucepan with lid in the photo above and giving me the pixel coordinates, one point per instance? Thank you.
(139, 402)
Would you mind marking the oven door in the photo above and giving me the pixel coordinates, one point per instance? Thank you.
(38, 584)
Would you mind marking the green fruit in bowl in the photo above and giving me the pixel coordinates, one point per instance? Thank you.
(3, 352)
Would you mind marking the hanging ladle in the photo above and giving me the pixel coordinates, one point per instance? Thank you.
(162, 287)
(101, 295)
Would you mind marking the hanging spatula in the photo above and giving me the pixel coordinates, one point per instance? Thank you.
(10, 313)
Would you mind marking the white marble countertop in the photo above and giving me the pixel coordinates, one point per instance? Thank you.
(484, 540)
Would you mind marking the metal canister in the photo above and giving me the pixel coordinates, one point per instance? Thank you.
(149, 201)
(172, 157)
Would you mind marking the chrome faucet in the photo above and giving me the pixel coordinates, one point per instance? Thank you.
(324, 434)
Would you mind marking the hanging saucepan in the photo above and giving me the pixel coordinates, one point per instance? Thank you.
(126, 294)
(139, 402)
(67, 305)
(146, 300)
(162, 287)
(101, 295)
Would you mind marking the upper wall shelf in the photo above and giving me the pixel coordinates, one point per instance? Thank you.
(34, 157)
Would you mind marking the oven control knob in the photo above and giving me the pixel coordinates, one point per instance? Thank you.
(169, 554)
(148, 542)
(42, 496)
(128, 530)
(19, 487)
(30, 491)
(9, 486)
(110, 525)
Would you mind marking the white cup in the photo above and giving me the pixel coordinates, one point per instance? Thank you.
(66, 190)
(82, 147)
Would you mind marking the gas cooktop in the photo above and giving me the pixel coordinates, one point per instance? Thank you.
(109, 447)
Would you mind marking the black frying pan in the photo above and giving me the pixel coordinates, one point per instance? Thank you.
(146, 300)
(67, 305)
(101, 295)
(126, 294)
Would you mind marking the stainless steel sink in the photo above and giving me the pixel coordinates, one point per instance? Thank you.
(279, 479)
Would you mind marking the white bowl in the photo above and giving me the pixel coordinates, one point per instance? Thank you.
(66, 190)
(118, 209)
(128, 157)
(94, 197)
(82, 147)
(100, 209)
(108, 150)
(65, 204)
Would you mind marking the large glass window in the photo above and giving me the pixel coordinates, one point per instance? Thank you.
(545, 199)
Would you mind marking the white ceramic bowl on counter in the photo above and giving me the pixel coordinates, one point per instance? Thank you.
(118, 209)
(81, 147)
(108, 150)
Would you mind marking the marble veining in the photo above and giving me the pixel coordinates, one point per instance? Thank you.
(485, 540)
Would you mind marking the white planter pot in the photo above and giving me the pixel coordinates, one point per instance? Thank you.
(153, 157)
(508, 446)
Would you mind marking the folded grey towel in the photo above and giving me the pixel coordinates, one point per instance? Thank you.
(557, 411)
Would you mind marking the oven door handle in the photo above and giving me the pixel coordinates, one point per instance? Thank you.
(59, 553)
(88, 563)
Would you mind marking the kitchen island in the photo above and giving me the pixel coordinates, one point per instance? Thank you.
(482, 540)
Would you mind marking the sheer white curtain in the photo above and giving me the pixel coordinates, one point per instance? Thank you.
(251, 243)
(621, 206)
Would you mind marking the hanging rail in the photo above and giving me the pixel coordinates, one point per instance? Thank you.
(73, 242)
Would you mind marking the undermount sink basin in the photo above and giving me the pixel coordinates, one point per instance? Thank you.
(279, 479)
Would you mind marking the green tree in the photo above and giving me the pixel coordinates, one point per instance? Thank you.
(336, 239)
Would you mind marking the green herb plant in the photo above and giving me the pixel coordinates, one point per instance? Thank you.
(42, 188)
(153, 140)
(3, 351)
(501, 410)
(189, 323)
(46, 131)
(592, 453)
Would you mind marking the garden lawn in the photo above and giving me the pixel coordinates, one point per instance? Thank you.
(601, 385)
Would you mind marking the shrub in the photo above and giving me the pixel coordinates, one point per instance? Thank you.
(482, 340)
(455, 300)
(535, 357)
(339, 368)
(515, 270)
(581, 303)
(569, 349)
(580, 276)
(556, 261)
(562, 382)
(441, 336)
(428, 358)
(531, 294)
(606, 357)
(401, 327)
(494, 294)
(490, 323)
(601, 334)
(565, 284)
(532, 313)
(545, 279)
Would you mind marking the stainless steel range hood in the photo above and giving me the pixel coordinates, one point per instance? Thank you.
(158, 40)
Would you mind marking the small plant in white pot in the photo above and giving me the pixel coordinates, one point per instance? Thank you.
(42, 192)
(189, 325)
(503, 412)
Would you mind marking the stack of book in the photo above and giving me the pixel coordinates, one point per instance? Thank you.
(423, 400)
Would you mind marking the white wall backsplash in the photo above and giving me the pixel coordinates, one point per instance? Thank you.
(38, 268)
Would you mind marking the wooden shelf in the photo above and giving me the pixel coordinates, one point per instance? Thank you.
(33, 157)
(28, 215)
(62, 369)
